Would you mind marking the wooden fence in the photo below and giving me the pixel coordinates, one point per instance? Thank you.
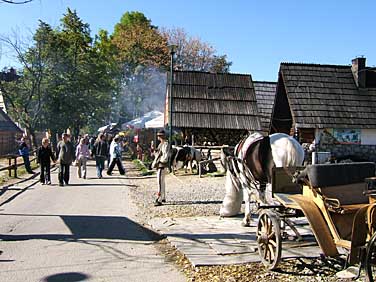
(13, 164)
(213, 157)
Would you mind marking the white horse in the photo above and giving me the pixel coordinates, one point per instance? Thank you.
(251, 165)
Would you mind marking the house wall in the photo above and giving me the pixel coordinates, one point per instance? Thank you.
(8, 142)
(368, 137)
(366, 151)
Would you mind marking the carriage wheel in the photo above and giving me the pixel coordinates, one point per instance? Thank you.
(370, 260)
(269, 239)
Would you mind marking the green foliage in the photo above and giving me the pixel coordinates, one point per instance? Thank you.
(139, 43)
(68, 80)
(130, 19)
(141, 166)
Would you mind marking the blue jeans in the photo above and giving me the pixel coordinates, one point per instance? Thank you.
(99, 163)
(27, 164)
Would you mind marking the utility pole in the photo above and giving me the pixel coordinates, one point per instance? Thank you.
(172, 52)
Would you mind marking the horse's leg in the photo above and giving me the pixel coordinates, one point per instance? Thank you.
(247, 210)
(232, 201)
(268, 194)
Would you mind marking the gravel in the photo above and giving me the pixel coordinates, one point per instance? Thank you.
(189, 195)
(186, 195)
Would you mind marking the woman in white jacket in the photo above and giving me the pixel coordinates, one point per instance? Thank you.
(115, 154)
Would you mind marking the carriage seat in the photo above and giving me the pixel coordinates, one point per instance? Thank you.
(344, 182)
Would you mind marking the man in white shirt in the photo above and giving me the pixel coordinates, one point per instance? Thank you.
(161, 163)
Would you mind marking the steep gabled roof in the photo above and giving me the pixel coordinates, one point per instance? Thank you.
(265, 94)
(214, 100)
(326, 96)
(6, 124)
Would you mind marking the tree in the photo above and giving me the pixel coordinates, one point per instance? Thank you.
(26, 95)
(83, 87)
(194, 54)
(66, 80)
(139, 43)
(143, 55)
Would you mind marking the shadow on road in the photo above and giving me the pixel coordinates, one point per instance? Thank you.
(182, 203)
(90, 227)
(66, 277)
(100, 184)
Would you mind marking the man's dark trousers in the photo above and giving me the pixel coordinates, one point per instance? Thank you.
(63, 174)
(116, 161)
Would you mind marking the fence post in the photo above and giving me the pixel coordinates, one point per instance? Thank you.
(9, 165)
(15, 167)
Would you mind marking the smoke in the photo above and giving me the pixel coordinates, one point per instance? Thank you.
(143, 92)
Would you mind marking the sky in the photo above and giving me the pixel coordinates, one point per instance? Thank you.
(255, 35)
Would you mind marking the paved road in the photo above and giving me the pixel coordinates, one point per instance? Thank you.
(82, 232)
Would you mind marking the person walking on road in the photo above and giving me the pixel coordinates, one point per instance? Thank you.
(161, 163)
(24, 152)
(115, 154)
(44, 157)
(100, 151)
(65, 157)
(82, 154)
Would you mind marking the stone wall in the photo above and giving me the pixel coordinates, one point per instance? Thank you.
(355, 152)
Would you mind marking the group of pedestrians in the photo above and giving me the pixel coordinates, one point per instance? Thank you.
(101, 150)
(68, 154)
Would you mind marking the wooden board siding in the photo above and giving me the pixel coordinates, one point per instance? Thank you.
(326, 96)
(214, 101)
(7, 125)
(265, 94)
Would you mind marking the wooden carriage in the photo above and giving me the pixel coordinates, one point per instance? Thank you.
(338, 201)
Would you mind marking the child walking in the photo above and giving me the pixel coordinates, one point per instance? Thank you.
(44, 158)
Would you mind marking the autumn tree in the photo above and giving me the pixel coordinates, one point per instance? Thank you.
(144, 56)
(139, 43)
(194, 54)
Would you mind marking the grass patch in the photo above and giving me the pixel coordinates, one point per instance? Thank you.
(4, 178)
(141, 166)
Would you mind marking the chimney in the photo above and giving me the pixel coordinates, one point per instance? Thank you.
(358, 68)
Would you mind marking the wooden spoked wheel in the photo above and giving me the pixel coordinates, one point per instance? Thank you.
(269, 239)
(370, 260)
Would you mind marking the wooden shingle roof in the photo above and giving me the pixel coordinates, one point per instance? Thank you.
(265, 94)
(214, 101)
(6, 124)
(326, 96)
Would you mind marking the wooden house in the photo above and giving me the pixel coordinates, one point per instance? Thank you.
(265, 95)
(331, 104)
(9, 133)
(212, 107)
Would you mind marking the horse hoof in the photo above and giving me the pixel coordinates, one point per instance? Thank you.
(246, 224)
